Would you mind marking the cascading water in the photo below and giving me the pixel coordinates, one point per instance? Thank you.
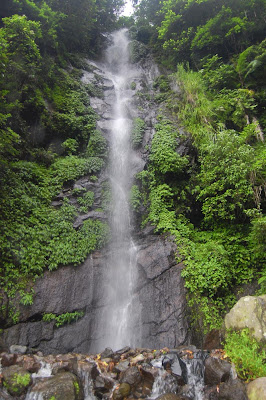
(122, 312)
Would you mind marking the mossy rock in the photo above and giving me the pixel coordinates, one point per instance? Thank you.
(257, 389)
(62, 386)
(16, 380)
(248, 312)
(122, 391)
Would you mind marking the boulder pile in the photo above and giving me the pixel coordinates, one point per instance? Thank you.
(167, 374)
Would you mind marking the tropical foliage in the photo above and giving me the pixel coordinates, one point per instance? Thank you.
(212, 197)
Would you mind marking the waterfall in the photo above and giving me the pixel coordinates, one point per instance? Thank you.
(122, 311)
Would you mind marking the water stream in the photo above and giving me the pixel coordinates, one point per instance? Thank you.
(122, 312)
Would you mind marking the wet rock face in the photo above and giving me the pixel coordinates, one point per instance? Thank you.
(68, 289)
(162, 294)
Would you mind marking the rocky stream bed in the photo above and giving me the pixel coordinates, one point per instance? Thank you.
(168, 374)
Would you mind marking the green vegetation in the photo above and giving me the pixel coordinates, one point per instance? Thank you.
(18, 383)
(137, 132)
(22, 380)
(86, 200)
(211, 196)
(135, 197)
(247, 355)
(48, 138)
(63, 319)
(77, 388)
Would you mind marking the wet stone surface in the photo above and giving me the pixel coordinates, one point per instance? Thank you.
(176, 374)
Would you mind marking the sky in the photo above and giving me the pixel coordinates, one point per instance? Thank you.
(128, 10)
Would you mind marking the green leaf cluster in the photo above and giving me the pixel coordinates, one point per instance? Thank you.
(87, 200)
(135, 197)
(138, 130)
(63, 319)
(163, 155)
(246, 353)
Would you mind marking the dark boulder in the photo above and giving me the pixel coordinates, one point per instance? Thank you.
(169, 396)
(173, 363)
(234, 389)
(131, 376)
(102, 384)
(63, 386)
(8, 359)
(121, 367)
(122, 391)
(212, 340)
(216, 371)
(5, 396)
(30, 363)
(16, 380)
(107, 353)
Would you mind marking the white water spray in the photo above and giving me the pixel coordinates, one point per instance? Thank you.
(122, 312)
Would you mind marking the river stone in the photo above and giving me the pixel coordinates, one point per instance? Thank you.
(30, 364)
(137, 359)
(131, 376)
(63, 386)
(16, 380)
(234, 389)
(5, 396)
(249, 312)
(122, 391)
(8, 359)
(257, 389)
(176, 365)
(107, 353)
(148, 375)
(17, 349)
(102, 384)
(169, 396)
(216, 371)
(122, 366)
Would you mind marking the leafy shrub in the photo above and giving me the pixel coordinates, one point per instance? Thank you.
(63, 319)
(225, 189)
(137, 132)
(97, 146)
(70, 146)
(135, 197)
(162, 83)
(247, 354)
(164, 156)
(106, 196)
(86, 200)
